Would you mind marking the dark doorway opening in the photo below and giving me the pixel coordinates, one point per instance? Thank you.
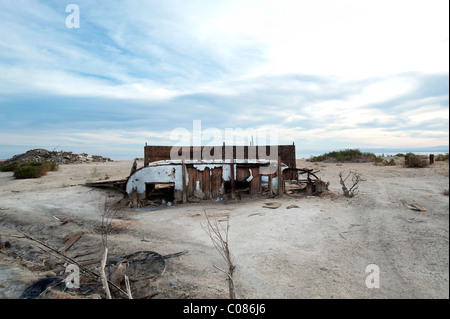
(159, 191)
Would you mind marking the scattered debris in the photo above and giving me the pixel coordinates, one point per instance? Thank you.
(118, 185)
(273, 205)
(416, 207)
(61, 157)
(292, 206)
(261, 214)
(65, 220)
(133, 200)
(414, 221)
(5, 244)
(37, 288)
(70, 241)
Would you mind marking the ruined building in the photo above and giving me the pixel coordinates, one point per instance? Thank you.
(213, 173)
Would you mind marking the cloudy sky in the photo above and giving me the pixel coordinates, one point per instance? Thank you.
(324, 74)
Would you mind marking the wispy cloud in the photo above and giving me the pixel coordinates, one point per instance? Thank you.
(324, 74)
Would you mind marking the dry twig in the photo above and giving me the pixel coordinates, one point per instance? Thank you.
(356, 178)
(219, 238)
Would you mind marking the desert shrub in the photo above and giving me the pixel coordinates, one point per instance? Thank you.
(390, 163)
(400, 155)
(416, 161)
(348, 155)
(95, 172)
(50, 166)
(10, 167)
(378, 161)
(28, 171)
(34, 169)
(441, 157)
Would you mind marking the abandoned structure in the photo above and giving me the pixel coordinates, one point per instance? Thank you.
(225, 152)
(203, 179)
(195, 177)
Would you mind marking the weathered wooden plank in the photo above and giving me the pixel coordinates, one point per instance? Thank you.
(242, 173)
(207, 183)
(192, 181)
(183, 167)
(232, 179)
(216, 182)
(280, 177)
(255, 183)
(70, 241)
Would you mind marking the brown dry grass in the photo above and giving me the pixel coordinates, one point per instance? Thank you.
(442, 168)
(120, 226)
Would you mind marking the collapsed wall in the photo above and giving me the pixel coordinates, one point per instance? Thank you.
(205, 180)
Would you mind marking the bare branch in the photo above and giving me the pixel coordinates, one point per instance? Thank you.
(219, 237)
(356, 178)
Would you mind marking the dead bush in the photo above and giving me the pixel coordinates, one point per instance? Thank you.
(416, 161)
(120, 226)
(353, 190)
(219, 237)
(390, 163)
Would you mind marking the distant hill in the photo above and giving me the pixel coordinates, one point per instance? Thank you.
(58, 157)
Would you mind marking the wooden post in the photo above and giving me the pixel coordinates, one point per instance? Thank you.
(232, 178)
(280, 177)
(271, 192)
(183, 167)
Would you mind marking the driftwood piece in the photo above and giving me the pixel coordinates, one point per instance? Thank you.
(118, 274)
(127, 285)
(273, 205)
(103, 274)
(134, 201)
(70, 241)
(416, 207)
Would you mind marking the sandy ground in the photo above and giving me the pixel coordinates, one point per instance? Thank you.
(319, 250)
